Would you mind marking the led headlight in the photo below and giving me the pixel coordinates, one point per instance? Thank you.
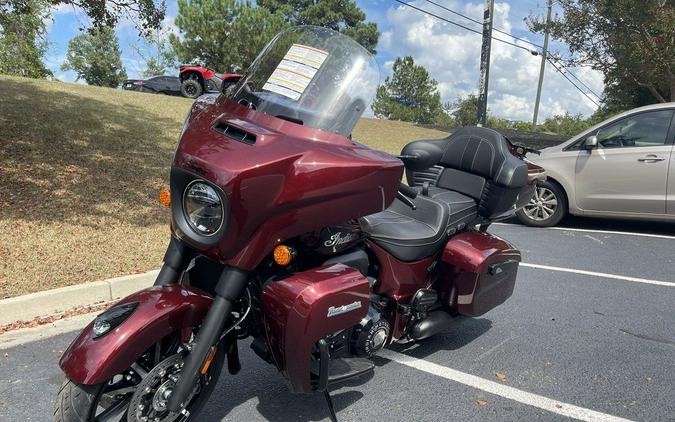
(111, 318)
(203, 208)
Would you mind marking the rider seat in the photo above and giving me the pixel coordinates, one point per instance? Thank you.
(407, 234)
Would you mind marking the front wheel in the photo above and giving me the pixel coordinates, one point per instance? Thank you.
(546, 208)
(139, 394)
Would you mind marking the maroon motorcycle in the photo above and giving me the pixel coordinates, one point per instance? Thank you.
(288, 232)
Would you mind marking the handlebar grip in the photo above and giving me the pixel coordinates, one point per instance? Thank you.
(407, 191)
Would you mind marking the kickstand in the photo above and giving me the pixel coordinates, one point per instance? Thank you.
(331, 409)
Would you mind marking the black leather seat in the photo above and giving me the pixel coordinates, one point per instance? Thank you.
(472, 163)
(462, 209)
(408, 234)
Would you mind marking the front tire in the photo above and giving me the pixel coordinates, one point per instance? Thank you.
(546, 208)
(110, 400)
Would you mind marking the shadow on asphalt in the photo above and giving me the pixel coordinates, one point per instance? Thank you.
(276, 403)
(460, 334)
(648, 227)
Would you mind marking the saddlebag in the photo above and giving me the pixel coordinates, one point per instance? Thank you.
(306, 307)
(478, 272)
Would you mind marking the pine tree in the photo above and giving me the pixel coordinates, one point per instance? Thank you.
(410, 94)
(223, 34)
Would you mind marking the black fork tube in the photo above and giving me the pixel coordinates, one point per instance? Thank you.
(176, 259)
(230, 287)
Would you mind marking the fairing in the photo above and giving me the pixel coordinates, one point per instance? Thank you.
(290, 181)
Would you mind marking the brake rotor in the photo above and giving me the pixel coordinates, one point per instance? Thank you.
(149, 403)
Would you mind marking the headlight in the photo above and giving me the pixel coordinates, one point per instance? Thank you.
(203, 208)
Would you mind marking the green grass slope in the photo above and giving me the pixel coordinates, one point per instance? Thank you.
(80, 168)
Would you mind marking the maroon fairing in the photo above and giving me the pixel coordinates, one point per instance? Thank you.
(296, 315)
(478, 272)
(161, 311)
(292, 180)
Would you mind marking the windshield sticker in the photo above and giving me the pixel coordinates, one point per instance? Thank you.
(296, 70)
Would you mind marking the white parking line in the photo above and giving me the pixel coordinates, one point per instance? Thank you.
(492, 387)
(596, 274)
(659, 236)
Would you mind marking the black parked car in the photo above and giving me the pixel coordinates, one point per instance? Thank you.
(169, 85)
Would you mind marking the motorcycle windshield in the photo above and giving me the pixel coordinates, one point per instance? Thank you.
(311, 76)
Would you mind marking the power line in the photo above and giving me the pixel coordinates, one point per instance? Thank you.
(533, 52)
(481, 23)
(570, 81)
(567, 69)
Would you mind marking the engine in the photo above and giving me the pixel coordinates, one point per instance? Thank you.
(371, 334)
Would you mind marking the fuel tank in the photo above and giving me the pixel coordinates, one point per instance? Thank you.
(278, 179)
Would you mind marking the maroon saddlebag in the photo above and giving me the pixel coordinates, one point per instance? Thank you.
(305, 307)
(478, 272)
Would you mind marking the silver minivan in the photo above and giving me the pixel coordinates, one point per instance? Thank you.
(623, 167)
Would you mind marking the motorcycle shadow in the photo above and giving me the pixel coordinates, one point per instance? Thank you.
(462, 332)
(259, 393)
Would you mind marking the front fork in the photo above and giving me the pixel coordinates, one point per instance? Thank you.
(230, 287)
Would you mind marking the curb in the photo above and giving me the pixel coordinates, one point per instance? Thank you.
(49, 302)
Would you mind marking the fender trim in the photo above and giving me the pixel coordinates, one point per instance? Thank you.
(162, 310)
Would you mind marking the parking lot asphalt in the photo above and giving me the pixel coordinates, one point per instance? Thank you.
(567, 345)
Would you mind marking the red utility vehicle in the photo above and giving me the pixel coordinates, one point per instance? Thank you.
(195, 80)
(286, 231)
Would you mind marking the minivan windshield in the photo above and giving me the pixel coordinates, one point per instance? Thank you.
(311, 76)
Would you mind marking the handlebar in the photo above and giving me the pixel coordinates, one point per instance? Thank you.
(407, 191)
(406, 194)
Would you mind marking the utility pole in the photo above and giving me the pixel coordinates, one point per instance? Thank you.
(543, 65)
(485, 61)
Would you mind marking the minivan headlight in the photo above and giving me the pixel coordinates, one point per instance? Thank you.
(203, 208)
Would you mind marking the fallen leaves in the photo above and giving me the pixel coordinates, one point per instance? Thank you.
(501, 376)
(481, 403)
(43, 320)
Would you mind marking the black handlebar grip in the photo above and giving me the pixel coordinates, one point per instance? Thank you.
(407, 191)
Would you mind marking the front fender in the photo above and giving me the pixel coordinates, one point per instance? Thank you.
(162, 310)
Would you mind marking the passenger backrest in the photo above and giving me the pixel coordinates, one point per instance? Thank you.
(477, 162)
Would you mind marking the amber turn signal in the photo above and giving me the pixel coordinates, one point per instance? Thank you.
(209, 359)
(283, 255)
(165, 197)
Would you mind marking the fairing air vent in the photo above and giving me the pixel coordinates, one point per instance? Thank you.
(235, 133)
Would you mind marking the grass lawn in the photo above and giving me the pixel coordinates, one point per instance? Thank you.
(80, 168)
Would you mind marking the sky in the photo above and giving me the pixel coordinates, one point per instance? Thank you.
(450, 54)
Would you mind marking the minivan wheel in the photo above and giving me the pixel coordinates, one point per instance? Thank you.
(546, 208)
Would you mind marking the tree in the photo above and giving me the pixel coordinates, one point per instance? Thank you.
(465, 110)
(223, 34)
(96, 57)
(340, 15)
(23, 40)
(631, 42)
(410, 94)
(146, 14)
(159, 56)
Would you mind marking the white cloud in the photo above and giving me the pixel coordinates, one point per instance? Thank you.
(452, 55)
